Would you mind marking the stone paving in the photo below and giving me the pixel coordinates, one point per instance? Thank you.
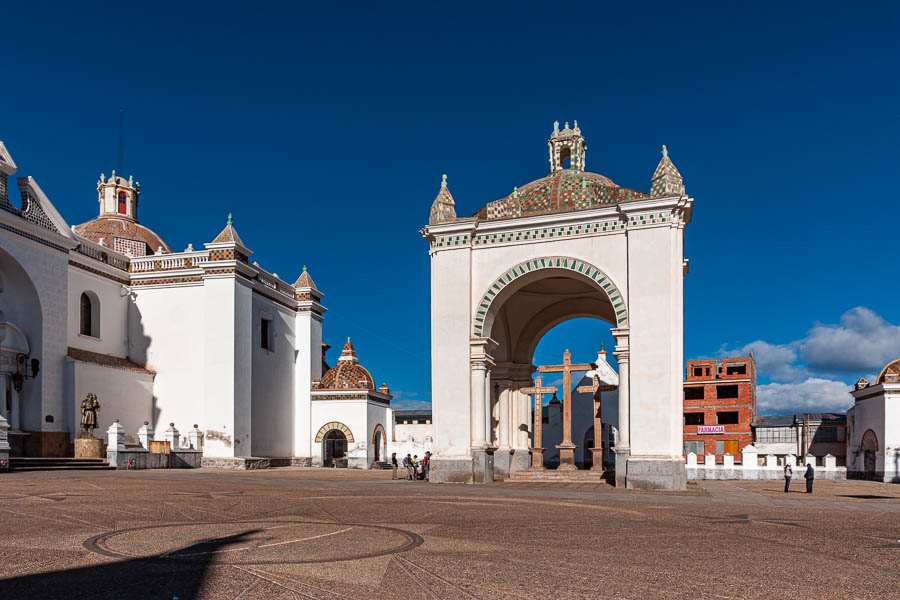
(319, 533)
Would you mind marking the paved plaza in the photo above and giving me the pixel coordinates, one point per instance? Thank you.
(319, 533)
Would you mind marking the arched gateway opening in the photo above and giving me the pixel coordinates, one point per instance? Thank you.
(570, 244)
(516, 312)
(334, 448)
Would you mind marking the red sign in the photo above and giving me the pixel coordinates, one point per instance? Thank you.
(710, 429)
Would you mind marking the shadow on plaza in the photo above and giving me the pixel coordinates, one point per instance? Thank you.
(135, 578)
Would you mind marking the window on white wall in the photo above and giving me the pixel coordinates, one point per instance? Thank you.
(89, 315)
(265, 333)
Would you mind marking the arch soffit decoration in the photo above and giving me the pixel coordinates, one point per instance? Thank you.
(375, 431)
(868, 435)
(552, 262)
(334, 425)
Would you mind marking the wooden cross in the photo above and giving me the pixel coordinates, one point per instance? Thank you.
(537, 456)
(566, 369)
(595, 389)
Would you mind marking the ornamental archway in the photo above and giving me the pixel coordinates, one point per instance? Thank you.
(514, 313)
(334, 425)
(379, 443)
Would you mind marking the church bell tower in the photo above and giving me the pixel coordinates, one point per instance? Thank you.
(118, 197)
(566, 148)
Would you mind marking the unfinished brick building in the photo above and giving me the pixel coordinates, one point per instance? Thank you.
(719, 406)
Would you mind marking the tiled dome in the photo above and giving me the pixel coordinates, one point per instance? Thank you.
(348, 374)
(890, 373)
(561, 191)
(111, 228)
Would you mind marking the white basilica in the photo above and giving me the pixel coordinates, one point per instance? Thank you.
(570, 244)
(203, 338)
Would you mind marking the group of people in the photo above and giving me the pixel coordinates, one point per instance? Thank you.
(415, 469)
(810, 475)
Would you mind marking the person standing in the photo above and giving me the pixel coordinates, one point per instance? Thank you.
(426, 465)
(394, 465)
(416, 467)
(407, 462)
(809, 476)
(788, 473)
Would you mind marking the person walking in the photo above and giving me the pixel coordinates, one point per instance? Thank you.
(809, 476)
(788, 473)
(394, 465)
(407, 462)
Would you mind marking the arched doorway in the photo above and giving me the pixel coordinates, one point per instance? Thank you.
(869, 448)
(334, 449)
(544, 294)
(379, 443)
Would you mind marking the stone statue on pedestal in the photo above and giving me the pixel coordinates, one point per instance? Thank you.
(90, 410)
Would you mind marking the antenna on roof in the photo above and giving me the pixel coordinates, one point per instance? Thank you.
(120, 157)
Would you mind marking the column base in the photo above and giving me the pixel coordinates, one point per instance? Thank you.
(503, 462)
(519, 460)
(597, 463)
(655, 473)
(537, 459)
(451, 469)
(483, 465)
(567, 457)
(622, 454)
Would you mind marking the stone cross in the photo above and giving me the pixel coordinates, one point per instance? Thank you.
(567, 448)
(537, 452)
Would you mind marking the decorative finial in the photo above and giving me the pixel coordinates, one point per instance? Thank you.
(444, 180)
(137, 185)
(576, 123)
(348, 339)
(665, 151)
(102, 177)
(567, 124)
(601, 347)
(304, 268)
(114, 175)
(555, 125)
(516, 192)
(230, 220)
(131, 181)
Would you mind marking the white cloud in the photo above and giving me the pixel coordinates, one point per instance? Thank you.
(410, 405)
(863, 341)
(813, 395)
(775, 361)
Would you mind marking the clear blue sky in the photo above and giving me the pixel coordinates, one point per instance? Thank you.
(326, 131)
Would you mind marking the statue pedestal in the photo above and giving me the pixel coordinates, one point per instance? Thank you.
(566, 457)
(89, 448)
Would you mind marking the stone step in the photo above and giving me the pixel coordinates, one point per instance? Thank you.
(559, 476)
(384, 466)
(65, 468)
(56, 463)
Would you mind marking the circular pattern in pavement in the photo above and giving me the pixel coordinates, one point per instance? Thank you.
(255, 542)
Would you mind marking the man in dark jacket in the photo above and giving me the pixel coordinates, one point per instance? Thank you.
(809, 475)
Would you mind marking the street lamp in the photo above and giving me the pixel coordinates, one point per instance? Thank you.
(21, 374)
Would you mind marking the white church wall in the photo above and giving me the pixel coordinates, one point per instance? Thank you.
(29, 267)
(227, 367)
(307, 366)
(123, 395)
(166, 332)
(353, 414)
(451, 328)
(273, 380)
(113, 313)
(868, 413)
(378, 414)
(655, 360)
(891, 450)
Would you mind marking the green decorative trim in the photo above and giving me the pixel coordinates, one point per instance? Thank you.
(334, 425)
(554, 262)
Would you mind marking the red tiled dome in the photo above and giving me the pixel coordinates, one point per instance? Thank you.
(109, 228)
(564, 190)
(348, 374)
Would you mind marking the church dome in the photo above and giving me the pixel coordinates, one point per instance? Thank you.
(122, 235)
(890, 373)
(560, 191)
(348, 374)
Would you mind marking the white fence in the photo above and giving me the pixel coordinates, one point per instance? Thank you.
(750, 469)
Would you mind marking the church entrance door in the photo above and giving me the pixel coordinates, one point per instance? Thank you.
(334, 449)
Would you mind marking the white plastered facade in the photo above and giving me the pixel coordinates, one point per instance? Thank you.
(172, 338)
(497, 285)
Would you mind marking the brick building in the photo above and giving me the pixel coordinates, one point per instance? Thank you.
(719, 406)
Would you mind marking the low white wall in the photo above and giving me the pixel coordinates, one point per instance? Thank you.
(750, 469)
(123, 395)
